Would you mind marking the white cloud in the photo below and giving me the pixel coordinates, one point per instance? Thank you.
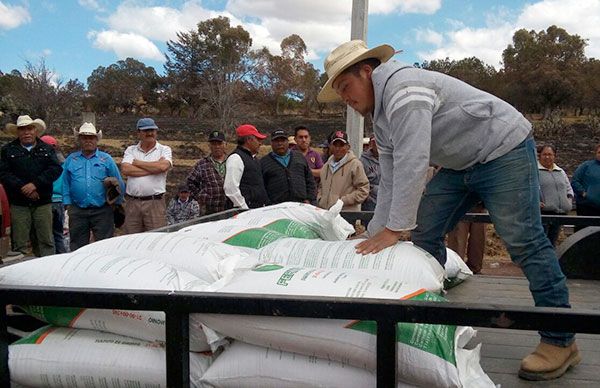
(580, 17)
(94, 5)
(266, 21)
(126, 45)
(161, 23)
(429, 36)
(486, 44)
(293, 10)
(46, 52)
(405, 6)
(12, 16)
(321, 24)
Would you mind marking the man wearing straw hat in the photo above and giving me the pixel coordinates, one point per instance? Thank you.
(486, 153)
(88, 180)
(28, 167)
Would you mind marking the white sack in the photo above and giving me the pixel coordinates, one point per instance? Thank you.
(403, 261)
(428, 355)
(197, 256)
(145, 325)
(98, 270)
(277, 279)
(455, 266)
(328, 223)
(249, 233)
(61, 357)
(247, 366)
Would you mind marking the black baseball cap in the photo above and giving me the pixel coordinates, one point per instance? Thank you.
(338, 135)
(216, 136)
(276, 134)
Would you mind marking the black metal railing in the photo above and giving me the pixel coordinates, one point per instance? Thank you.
(178, 305)
(365, 217)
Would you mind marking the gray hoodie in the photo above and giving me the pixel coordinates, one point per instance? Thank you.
(422, 117)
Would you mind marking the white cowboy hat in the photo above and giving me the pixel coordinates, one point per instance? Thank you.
(24, 121)
(89, 129)
(345, 56)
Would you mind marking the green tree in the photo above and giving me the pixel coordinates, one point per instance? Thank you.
(471, 70)
(542, 69)
(70, 98)
(40, 90)
(13, 95)
(286, 79)
(310, 85)
(588, 89)
(207, 69)
(123, 86)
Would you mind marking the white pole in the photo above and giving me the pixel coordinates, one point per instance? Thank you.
(354, 121)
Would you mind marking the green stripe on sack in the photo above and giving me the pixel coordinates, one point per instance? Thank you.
(59, 316)
(254, 238)
(435, 339)
(33, 338)
(293, 228)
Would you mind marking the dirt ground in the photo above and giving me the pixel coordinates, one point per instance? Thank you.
(496, 260)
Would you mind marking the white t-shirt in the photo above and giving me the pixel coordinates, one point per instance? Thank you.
(143, 186)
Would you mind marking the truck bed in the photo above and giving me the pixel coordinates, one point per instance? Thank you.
(503, 349)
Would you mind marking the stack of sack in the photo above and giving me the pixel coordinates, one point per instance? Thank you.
(84, 347)
(288, 249)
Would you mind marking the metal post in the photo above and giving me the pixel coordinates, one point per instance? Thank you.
(4, 372)
(354, 121)
(178, 349)
(386, 354)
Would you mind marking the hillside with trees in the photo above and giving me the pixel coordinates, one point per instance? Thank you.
(213, 79)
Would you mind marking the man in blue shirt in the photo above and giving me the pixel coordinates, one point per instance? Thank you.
(84, 189)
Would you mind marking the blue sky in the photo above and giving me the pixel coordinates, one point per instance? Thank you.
(76, 36)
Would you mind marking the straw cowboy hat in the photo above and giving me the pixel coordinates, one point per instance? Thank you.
(345, 56)
(89, 129)
(24, 121)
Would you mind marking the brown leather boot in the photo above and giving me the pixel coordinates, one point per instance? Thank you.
(549, 362)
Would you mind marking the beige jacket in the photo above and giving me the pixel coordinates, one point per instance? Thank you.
(349, 183)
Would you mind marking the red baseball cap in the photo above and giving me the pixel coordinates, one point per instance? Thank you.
(49, 140)
(249, 130)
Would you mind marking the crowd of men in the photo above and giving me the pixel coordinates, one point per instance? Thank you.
(291, 171)
(43, 185)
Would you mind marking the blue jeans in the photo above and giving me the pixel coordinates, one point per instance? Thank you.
(58, 218)
(509, 189)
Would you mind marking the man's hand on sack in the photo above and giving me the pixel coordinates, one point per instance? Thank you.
(381, 240)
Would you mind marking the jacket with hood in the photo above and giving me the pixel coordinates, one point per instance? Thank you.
(555, 190)
(348, 183)
(422, 117)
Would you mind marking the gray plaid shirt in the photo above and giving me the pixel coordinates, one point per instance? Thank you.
(182, 211)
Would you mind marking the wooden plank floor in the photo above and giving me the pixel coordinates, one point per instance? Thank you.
(502, 350)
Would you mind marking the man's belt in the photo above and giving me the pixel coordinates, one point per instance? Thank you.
(147, 197)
